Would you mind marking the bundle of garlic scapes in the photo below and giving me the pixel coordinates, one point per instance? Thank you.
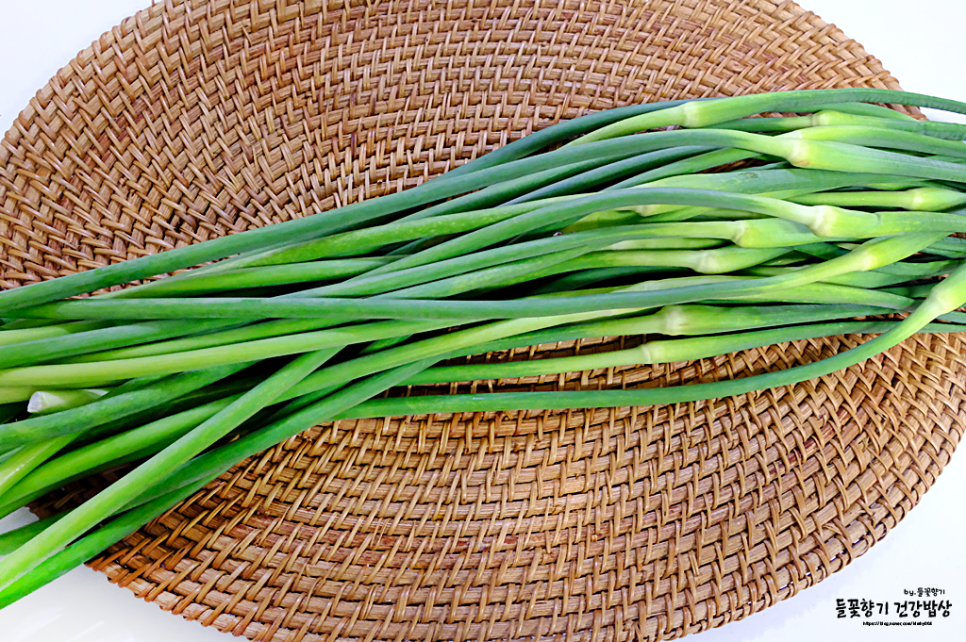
(590, 228)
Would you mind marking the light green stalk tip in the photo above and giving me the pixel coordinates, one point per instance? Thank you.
(44, 402)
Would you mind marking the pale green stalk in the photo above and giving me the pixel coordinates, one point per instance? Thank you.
(126, 489)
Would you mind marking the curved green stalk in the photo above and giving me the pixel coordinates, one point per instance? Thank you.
(611, 171)
(176, 487)
(728, 109)
(850, 115)
(692, 165)
(99, 372)
(207, 466)
(564, 213)
(840, 156)
(945, 297)
(436, 273)
(734, 317)
(932, 128)
(559, 132)
(27, 458)
(121, 403)
(766, 182)
(365, 240)
(248, 332)
(654, 352)
(950, 247)
(273, 275)
(8, 337)
(501, 276)
(502, 192)
(114, 336)
(265, 238)
(111, 451)
(455, 341)
(863, 109)
(881, 137)
(467, 262)
(11, 395)
(12, 540)
(123, 491)
(820, 154)
(928, 199)
(871, 255)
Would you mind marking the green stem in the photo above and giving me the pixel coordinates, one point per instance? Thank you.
(466, 262)
(254, 331)
(934, 129)
(864, 109)
(29, 457)
(838, 156)
(689, 320)
(771, 181)
(712, 261)
(501, 276)
(654, 352)
(111, 407)
(608, 173)
(560, 132)
(128, 488)
(308, 227)
(950, 247)
(273, 275)
(99, 372)
(436, 275)
(8, 337)
(687, 166)
(371, 238)
(12, 540)
(697, 114)
(929, 199)
(871, 255)
(116, 336)
(221, 459)
(561, 214)
(114, 450)
(86, 548)
(187, 480)
(11, 395)
(883, 138)
(945, 297)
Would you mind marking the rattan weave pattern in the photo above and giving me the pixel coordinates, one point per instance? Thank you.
(196, 119)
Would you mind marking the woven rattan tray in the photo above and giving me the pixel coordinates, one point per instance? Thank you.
(196, 119)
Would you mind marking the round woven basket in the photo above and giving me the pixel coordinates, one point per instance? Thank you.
(197, 119)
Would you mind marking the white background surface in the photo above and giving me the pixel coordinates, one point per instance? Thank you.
(921, 43)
